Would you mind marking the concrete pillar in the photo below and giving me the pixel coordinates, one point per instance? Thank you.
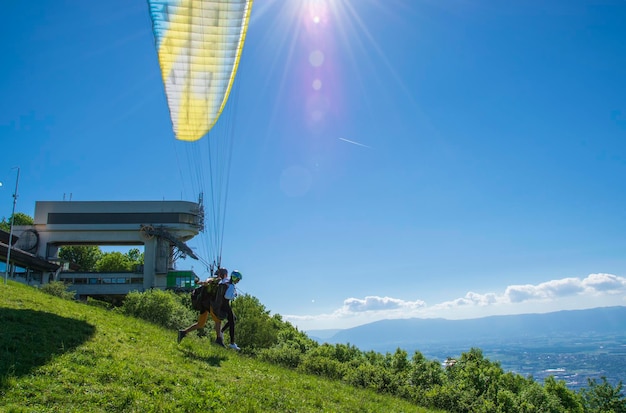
(149, 262)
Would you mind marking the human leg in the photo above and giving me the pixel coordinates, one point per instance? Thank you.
(231, 326)
(202, 318)
(218, 331)
(227, 324)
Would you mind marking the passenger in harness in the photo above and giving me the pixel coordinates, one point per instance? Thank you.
(220, 308)
(215, 297)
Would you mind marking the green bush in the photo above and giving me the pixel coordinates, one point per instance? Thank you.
(255, 329)
(424, 373)
(322, 366)
(284, 354)
(163, 308)
(288, 334)
(367, 376)
(58, 289)
(534, 398)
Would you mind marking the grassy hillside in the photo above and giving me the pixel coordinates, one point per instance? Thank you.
(64, 356)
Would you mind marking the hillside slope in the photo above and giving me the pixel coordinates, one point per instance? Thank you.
(64, 356)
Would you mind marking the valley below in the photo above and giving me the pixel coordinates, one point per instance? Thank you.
(572, 346)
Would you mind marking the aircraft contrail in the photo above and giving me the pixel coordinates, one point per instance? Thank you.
(354, 143)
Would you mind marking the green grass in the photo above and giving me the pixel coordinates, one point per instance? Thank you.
(63, 356)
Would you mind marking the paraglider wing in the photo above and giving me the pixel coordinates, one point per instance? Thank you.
(199, 43)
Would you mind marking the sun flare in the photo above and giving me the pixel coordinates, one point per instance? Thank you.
(323, 53)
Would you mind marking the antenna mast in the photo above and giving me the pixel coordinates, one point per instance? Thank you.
(6, 268)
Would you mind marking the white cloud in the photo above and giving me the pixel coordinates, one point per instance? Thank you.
(592, 284)
(595, 290)
(356, 311)
(470, 299)
(373, 303)
(605, 283)
(481, 299)
(551, 289)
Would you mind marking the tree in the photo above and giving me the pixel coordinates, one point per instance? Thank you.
(135, 256)
(19, 218)
(604, 398)
(85, 256)
(113, 262)
(572, 402)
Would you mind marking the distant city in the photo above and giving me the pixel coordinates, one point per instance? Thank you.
(568, 358)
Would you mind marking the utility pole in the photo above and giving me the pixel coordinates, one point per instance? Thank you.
(6, 269)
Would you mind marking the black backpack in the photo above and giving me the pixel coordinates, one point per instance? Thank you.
(202, 296)
(197, 298)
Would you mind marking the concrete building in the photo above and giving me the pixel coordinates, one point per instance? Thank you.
(161, 227)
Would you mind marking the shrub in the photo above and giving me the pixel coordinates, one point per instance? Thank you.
(58, 289)
(367, 376)
(255, 328)
(284, 354)
(288, 334)
(425, 373)
(322, 366)
(164, 308)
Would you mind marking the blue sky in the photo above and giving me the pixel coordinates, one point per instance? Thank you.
(393, 158)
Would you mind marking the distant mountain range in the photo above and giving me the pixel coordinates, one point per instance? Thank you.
(387, 335)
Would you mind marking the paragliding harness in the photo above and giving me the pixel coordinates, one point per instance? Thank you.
(202, 296)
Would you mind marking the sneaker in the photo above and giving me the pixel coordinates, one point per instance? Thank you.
(219, 342)
(181, 335)
(234, 346)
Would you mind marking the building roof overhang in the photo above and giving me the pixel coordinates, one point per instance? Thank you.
(26, 260)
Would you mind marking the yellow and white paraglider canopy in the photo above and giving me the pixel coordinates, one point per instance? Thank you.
(199, 44)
